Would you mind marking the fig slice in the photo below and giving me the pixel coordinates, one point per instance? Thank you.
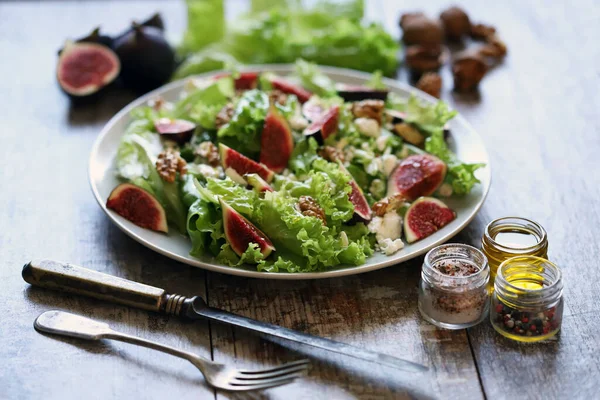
(417, 175)
(138, 206)
(85, 68)
(277, 142)
(239, 232)
(258, 183)
(179, 130)
(313, 109)
(357, 93)
(424, 217)
(287, 87)
(362, 210)
(324, 126)
(395, 117)
(245, 80)
(242, 164)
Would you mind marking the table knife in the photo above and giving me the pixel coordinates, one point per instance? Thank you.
(74, 279)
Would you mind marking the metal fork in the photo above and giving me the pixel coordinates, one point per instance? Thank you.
(218, 375)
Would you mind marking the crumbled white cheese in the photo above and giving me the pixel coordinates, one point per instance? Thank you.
(368, 127)
(234, 176)
(445, 190)
(344, 239)
(374, 166)
(298, 122)
(389, 162)
(381, 142)
(389, 246)
(387, 231)
(208, 171)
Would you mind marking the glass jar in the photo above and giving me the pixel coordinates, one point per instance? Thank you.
(527, 303)
(453, 289)
(509, 237)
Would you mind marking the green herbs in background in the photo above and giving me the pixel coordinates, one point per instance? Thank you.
(330, 33)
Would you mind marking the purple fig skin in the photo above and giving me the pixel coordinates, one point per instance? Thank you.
(179, 130)
(239, 232)
(426, 216)
(138, 206)
(242, 164)
(417, 175)
(358, 93)
(325, 126)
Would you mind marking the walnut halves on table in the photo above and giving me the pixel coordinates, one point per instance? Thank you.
(169, 163)
(468, 69)
(430, 83)
(423, 58)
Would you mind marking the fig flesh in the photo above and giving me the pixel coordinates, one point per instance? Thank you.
(179, 130)
(258, 183)
(85, 68)
(417, 175)
(312, 110)
(424, 217)
(239, 232)
(277, 142)
(289, 88)
(138, 206)
(242, 164)
(147, 59)
(362, 211)
(245, 80)
(324, 126)
(358, 93)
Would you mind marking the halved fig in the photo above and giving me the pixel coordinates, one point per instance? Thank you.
(424, 217)
(179, 130)
(242, 164)
(289, 88)
(138, 206)
(357, 93)
(324, 126)
(277, 142)
(245, 80)
(417, 175)
(258, 183)
(362, 210)
(85, 68)
(239, 232)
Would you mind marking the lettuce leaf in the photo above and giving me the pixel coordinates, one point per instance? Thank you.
(242, 133)
(426, 117)
(203, 104)
(314, 80)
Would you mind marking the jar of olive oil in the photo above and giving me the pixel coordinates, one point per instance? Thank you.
(509, 237)
(527, 303)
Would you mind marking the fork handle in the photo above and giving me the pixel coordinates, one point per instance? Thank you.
(74, 279)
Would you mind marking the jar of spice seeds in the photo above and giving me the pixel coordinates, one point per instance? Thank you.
(527, 303)
(453, 289)
(509, 237)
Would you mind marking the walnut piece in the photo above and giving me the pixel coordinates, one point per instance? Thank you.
(369, 109)
(310, 208)
(406, 17)
(424, 57)
(494, 47)
(277, 96)
(209, 152)
(482, 31)
(456, 23)
(409, 133)
(387, 204)
(419, 29)
(224, 116)
(430, 83)
(468, 70)
(169, 163)
(332, 154)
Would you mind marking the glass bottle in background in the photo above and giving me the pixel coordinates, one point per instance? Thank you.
(527, 302)
(508, 237)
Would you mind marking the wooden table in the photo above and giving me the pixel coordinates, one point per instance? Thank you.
(537, 114)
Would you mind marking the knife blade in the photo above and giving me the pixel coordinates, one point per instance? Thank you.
(75, 279)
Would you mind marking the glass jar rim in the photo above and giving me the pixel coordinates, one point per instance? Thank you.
(485, 267)
(500, 278)
(542, 239)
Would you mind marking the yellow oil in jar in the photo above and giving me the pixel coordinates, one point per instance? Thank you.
(509, 237)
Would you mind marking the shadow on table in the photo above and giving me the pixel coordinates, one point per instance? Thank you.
(98, 109)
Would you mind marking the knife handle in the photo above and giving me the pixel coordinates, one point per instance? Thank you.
(74, 279)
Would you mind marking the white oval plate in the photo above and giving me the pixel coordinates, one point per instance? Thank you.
(464, 141)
